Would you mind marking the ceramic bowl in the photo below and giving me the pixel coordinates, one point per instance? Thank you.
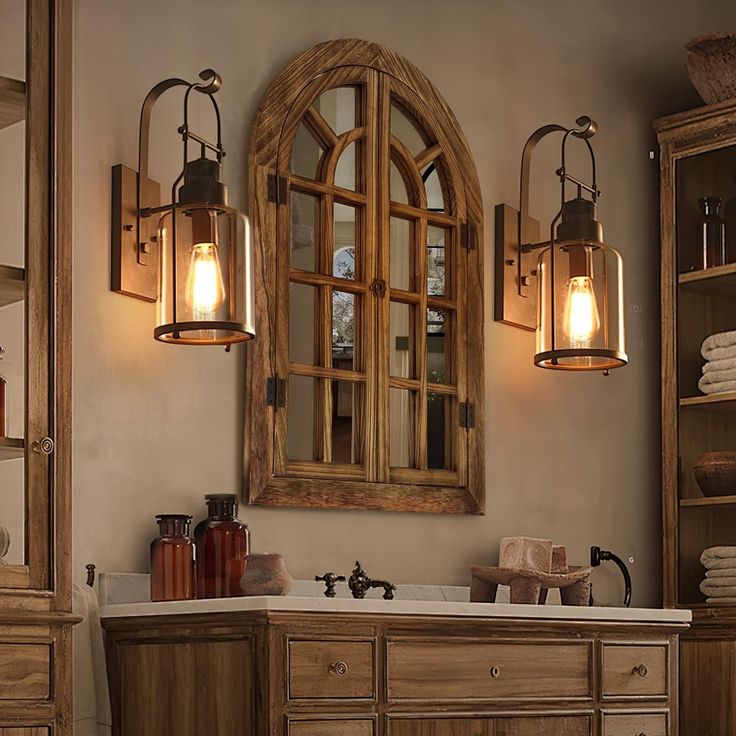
(711, 66)
(716, 473)
(266, 574)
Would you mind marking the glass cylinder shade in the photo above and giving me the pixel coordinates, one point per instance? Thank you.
(205, 292)
(580, 319)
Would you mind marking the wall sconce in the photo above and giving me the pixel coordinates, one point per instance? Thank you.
(193, 256)
(576, 305)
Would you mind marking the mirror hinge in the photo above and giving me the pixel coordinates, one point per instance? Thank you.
(467, 414)
(468, 236)
(276, 189)
(275, 392)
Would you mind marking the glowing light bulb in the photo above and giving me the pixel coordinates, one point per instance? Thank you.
(205, 290)
(581, 319)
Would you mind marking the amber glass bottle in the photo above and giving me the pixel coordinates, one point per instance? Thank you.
(173, 575)
(223, 544)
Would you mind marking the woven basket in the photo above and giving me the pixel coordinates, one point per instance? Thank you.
(711, 66)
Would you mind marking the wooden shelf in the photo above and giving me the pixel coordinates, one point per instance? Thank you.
(717, 280)
(12, 285)
(707, 502)
(12, 101)
(12, 448)
(713, 402)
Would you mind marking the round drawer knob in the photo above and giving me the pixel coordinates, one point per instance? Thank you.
(641, 670)
(339, 668)
(44, 446)
(495, 672)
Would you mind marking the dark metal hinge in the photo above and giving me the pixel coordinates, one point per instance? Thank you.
(467, 414)
(276, 392)
(276, 189)
(468, 236)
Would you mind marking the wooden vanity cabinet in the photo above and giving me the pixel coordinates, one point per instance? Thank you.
(325, 674)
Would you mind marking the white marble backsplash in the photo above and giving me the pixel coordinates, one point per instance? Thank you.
(126, 587)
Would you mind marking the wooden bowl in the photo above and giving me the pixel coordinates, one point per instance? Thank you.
(716, 473)
(711, 66)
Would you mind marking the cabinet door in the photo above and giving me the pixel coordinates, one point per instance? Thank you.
(442, 727)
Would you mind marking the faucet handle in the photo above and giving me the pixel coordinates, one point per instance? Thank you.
(330, 580)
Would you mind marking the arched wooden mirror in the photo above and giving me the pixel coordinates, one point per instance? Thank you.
(365, 385)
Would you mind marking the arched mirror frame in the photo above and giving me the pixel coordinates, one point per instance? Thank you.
(270, 477)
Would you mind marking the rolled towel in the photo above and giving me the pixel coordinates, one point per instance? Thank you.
(720, 341)
(713, 366)
(726, 572)
(720, 601)
(724, 591)
(714, 557)
(717, 388)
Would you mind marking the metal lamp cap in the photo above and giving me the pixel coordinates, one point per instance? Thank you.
(203, 183)
(579, 221)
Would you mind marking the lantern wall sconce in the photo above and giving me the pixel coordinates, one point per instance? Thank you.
(192, 256)
(569, 288)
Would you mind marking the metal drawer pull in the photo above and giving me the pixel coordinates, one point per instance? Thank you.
(338, 668)
(495, 672)
(44, 446)
(641, 670)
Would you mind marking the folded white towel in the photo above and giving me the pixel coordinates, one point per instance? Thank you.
(717, 591)
(719, 582)
(726, 364)
(718, 341)
(714, 557)
(723, 387)
(726, 572)
(718, 376)
(720, 601)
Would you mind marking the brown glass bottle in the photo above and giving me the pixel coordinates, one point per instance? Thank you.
(3, 406)
(173, 576)
(712, 233)
(223, 544)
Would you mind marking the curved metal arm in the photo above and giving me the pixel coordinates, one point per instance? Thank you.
(598, 555)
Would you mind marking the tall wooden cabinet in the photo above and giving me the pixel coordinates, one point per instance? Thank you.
(698, 159)
(35, 331)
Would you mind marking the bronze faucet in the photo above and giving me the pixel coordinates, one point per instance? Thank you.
(330, 580)
(359, 584)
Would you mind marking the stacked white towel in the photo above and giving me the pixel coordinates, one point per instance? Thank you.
(719, 371)
(719, 586)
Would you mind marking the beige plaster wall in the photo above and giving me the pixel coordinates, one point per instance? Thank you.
(575, 458)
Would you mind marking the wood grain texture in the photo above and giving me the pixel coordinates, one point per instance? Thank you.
(12, 285)
(477, 670)
(442, 727)
(314, 671)
(547, 726)
(385, 79)
(622, 664)
(25, 671)
(633, 724)
(337, 727)
(24, 731)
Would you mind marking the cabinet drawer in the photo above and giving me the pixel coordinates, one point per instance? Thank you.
(449, 670)
(635, 724)
(634, 670)
(337, 727)
(25, 671)
(331, 669)
(546, 726)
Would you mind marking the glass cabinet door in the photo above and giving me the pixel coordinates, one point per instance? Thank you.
(705, 238)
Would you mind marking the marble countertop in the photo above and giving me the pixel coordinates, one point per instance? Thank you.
(406, 607)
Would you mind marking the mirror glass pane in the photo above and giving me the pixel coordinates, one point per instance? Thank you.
(401, 438)
(438, 434)
(437, 250)
(303, 393)
(343, 330)
(397, 186)
(303, 228)
(305, 154)
(402, 340)
(302, 324)
(346, 437)
(401, 236)
(344, 265)
(337, 107)
(405, 130)
(13, 309)
(433, 188)
(345, 171)
(438, 369)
